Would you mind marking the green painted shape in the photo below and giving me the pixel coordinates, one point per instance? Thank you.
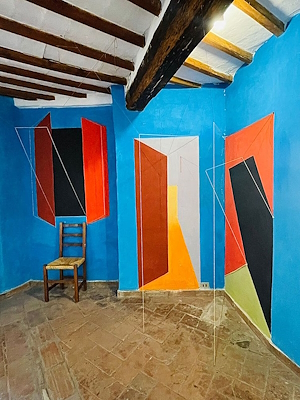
(240, 287)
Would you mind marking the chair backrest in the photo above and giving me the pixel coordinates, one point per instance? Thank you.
(72, 235)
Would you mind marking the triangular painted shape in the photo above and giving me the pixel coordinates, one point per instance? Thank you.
(240, 287)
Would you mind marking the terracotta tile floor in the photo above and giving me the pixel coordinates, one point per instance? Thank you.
(96, 349)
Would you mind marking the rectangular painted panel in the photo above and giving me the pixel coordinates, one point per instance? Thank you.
(68, 172)
(44, 170)
(152, 215)
(256, 225)
(95, 166)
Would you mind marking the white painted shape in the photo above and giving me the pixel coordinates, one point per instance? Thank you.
(63, 101)
(182, 142)
(185, 174)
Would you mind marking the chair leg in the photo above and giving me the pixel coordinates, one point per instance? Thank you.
(84, 277)
(46, 290)
(76, 283)
(61, 277)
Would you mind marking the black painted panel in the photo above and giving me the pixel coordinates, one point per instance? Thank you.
(69, 146)
(256, 226)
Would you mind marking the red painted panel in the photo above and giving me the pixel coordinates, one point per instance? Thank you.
(256, 140)
(44, 170)
(95, 167)
(152, 215)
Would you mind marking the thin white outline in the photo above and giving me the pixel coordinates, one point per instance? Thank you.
(16, 129)
(214, 237)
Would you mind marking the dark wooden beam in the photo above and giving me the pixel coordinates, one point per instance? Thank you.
(183, 26)
(227, 47)
(36, 86)
(49, 78)
(59, 67)
(84, 17)
(153, 6)
(261, 15)
(184, 82)
(22, 94)
(35, 34)
(199, 66)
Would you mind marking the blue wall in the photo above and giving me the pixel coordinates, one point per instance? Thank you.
(186, 112)
(271, 84)
(15, 203)
(28, 242)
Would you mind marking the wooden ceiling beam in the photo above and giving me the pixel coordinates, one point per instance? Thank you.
(199, 66)
(40, 36)
(261, 15)
(22, 94)
(153, 6)
(184, 82)
(59, 67)
(182, 27)
(36, 86)
(93, 21)
(227, 47)
(49, 78)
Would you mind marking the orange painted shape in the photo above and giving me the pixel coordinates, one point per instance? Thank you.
(152, 214)
(255, 140)
(181, 274)
(44, 170)
(95, 167)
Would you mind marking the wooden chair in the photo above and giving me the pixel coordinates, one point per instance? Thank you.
(66, 233)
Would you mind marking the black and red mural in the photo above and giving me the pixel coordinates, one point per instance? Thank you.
(71, 171)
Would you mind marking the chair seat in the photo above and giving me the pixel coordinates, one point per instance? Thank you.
(65, 263)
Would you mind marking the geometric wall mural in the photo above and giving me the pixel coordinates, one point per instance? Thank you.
(44, 171)
(167, 208)
(249, 214)
(71, 171)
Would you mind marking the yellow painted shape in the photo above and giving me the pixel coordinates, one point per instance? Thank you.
(181, 274)
(239, 285)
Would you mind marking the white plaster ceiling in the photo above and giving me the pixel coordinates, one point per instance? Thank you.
(238, 29)
(121, 12)
(241, 30)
